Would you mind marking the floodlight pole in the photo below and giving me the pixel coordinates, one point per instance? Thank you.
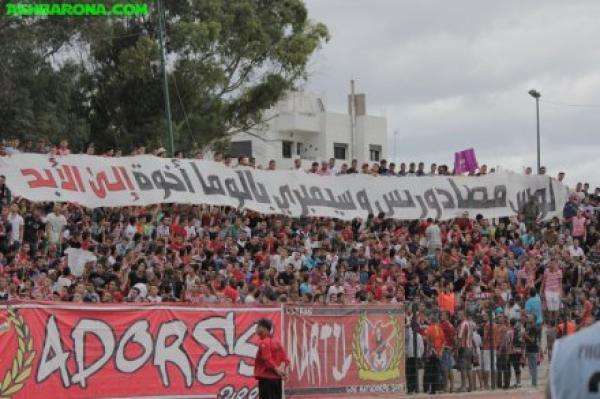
(161, 37)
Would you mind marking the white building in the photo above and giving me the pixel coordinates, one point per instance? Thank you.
(299, 126)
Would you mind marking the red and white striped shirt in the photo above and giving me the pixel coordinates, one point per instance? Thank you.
(465, 334)
(552, 280)
(350, 290)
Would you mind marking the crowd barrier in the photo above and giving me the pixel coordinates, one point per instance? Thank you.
(114, 351)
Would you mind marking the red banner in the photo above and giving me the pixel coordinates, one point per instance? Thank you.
(344, 350)
(71, 351)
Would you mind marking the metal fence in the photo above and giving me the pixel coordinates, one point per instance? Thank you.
(434, 373)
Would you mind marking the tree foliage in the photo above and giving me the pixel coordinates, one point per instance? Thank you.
(99, 79)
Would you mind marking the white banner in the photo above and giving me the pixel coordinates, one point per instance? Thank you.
(94, 181)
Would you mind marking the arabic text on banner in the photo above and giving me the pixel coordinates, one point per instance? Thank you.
(93, 181)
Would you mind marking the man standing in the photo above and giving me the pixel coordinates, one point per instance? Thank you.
(17, 223)
(434, 236)
(531, 339)
(55, 224)
(5, 196)
(353, 169)
(531, 211)
(433, 169)
(516, 350)
(297, 165)
(413, 355)
(504, 350)
(435, 343)
(447, 360)
(488, 355)
(533, 306)
(465, 351)
(402, 171)
(33, 227)
(270, 363)
(552, 289)
(332, 168)
(421, 170)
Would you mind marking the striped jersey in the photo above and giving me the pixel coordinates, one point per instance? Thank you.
(553, 280)
(465, 334)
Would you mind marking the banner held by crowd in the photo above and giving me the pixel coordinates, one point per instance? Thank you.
(143, 180)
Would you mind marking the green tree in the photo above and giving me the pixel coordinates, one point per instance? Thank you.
(38, 98)
(228, 61)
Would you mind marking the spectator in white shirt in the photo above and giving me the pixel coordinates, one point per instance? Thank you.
(250, 298)
(153, 296)
(297, 165)
(295, 260)
(190, 230)
(55, 224)
(434, 236)
(513, 310)
(164, 228)
(575, 250)
(17, 224)
(336, 289)
(130, 230)
(332, 168)
(278, 261)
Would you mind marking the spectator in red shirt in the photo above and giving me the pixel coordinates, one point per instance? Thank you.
(270, 364)
(464, 223)
(231, 292)
(177, 229)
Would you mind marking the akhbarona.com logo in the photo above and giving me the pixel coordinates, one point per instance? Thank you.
(124, 9)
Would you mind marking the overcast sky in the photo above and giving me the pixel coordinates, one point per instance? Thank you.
(449, 75)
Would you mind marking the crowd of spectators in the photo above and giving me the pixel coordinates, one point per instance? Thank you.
(330, 167)
(452, 275)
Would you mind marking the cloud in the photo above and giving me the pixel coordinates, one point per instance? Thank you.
(451, 75)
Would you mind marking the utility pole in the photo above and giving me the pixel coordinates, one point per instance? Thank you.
(536, 94)
(352, 120)
(162, 42)
(395, 146)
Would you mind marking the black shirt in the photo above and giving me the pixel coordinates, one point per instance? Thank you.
(134, 278)
(5, 230)
(285, 278)
(5, 195)
(531, 340)
(32, 226)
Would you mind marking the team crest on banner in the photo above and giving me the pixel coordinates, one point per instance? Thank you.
(15, 377)
(377, 346)
(345, 351)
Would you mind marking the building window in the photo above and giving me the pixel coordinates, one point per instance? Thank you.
(374, 153)
(241, 149)
(299, 149)
(339, 151)
(286, 149)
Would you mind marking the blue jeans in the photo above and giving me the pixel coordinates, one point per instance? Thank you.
(533, 366)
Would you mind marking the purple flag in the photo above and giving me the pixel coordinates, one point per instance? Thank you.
(465, 161)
